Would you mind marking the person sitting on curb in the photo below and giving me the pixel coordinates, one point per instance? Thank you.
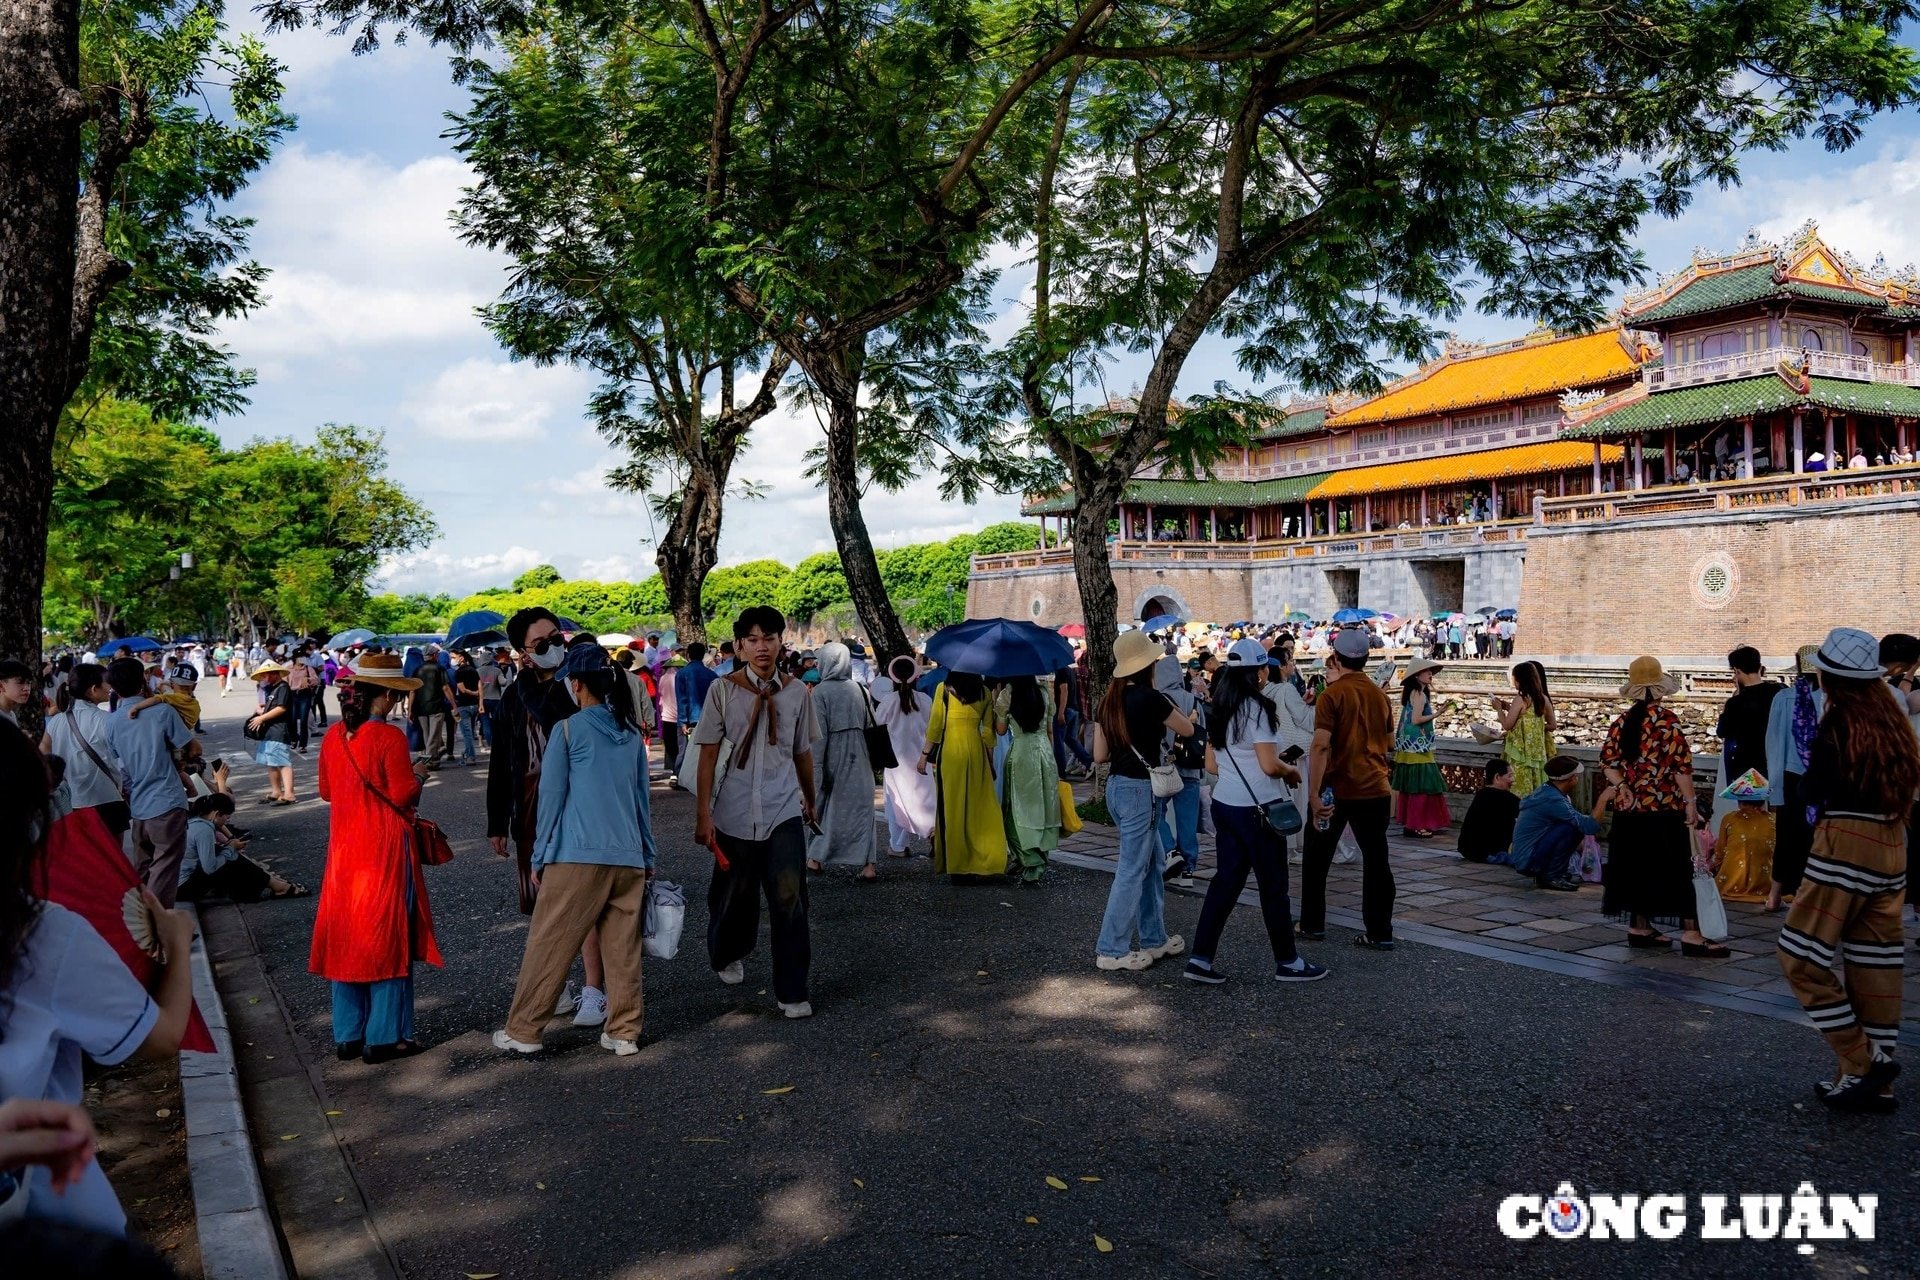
(1549, 828)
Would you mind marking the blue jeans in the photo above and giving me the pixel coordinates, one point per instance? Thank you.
(1066, 740)
(373, 1012)
(1137, 901)
(469, 727)
(1185, 836)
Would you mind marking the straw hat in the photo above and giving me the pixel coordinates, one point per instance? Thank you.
(269, 668)
(383, 669)
(1646, 674)
(1134, 651)
(1803, 660)
(1418, 665)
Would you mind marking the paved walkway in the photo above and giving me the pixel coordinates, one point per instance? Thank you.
(1446, 901)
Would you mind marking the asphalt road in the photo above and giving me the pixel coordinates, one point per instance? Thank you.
(964, 1051)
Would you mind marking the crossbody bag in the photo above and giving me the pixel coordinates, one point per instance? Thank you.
(93, 755)
(429, 841)
(1281, 816)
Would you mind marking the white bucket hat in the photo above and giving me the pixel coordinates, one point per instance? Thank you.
(1851, 654)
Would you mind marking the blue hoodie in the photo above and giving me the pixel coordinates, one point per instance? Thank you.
(593, 794)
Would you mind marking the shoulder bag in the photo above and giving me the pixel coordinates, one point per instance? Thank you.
(429, 841)
(880, 752)
(1164, 777)
(1282, 816)
(73, 726)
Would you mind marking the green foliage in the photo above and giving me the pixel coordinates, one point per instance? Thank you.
(1009, 536)
(734, 588)
(415, 614)
(541, 575)
(815, 585)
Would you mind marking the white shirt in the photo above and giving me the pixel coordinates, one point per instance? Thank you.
(1242, 785)
(88, 783)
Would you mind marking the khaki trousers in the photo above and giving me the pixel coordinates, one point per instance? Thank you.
(574, 898)
(1848, 908)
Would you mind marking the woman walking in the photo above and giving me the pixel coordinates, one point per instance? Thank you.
(1032, 778)
(1180, 842)
(1420, 793)
(1245, 750)
(271, 728)
(910, 797)
(1861, 782)
(1127, 736)
(1528, 722)
(1793, 719)
(77, 733)
(1649, 873)
(373, 923)
(844, 779)
(970, 836)
(593, 854)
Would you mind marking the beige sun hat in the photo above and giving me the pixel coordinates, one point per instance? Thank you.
(1646, 674)
(1418, 665)
(1134, 651)
(269, 668)
(383, 669)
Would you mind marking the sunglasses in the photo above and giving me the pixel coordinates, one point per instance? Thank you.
(545, 643)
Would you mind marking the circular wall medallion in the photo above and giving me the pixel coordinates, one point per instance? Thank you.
(1039, 606)
(1714, 579)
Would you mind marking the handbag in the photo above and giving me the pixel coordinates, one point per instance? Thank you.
(880, 752)
(1070, 821)
(430, 843)
(1165, 778)
(1709, 912)
(663, 916)
(1282, 816)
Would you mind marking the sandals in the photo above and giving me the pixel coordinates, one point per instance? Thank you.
(1705, 950)
(1649, 940)
(815, 867)
(293, 891)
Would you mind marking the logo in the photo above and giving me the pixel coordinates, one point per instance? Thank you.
(1566, 1213)
(1804, 1216)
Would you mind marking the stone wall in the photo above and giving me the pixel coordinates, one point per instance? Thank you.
(1050, 594)
(1691, 588)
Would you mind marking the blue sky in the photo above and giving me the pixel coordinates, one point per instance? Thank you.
(370, 319)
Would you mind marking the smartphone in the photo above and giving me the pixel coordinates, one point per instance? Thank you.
(1292, 754)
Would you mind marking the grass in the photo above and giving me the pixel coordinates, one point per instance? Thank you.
(1095, 810)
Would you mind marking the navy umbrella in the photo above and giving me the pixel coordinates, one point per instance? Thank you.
(347, 639)
(484, 638)
(1507, 613)
(130, 644)
(1162, 622)
(1345, 616)
(999, 647)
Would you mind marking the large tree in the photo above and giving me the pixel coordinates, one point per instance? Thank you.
(1325, 183)
(123, 126)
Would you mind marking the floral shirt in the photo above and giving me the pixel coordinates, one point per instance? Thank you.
(1653, 779)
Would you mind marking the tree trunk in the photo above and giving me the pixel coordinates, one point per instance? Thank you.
(690, 550)
(1099, 597)
(40, 113)
(840, 384)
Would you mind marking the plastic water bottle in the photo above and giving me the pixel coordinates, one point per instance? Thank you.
(1326, 819)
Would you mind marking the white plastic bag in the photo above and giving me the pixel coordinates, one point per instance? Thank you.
(1709, 911)
(664, 916)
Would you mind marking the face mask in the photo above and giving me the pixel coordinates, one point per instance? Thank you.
(572, 692)
(550, 660)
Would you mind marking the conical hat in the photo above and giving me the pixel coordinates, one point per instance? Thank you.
(1751, 785)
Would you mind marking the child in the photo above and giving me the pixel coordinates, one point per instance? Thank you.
(1744, 846)
(1486, 833)
(16, 689)
(178, 694)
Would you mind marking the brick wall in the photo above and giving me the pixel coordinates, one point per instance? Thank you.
(1220, 595)
(1696, 587)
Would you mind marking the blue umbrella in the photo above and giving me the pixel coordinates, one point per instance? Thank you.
(475, 620)
(1162, 622)
(130, 644)
(347, 639)
(483, 639)
(1345, 616)
(571, 626)
(1507, 613)
(999, 647)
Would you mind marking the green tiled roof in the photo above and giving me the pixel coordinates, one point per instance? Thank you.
(1194, 493)
(1305, 422)
(1722, 289)
(1690, 406)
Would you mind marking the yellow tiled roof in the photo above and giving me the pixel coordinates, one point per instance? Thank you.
(1462, 468)
(1528, 368)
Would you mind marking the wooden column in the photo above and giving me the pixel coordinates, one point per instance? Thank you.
(1799, 445)
(1827, 418)
(1746, 426)
(1366, 517)
(1333, 517)
(1853, 437)
(1150, 529)
(1213, 524)
(1596, 467)
(1639, 463)
(1423, 508)
(1673, 454)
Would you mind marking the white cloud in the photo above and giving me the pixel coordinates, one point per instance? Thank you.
(1863, 210)
(495, 400)
(613, 569)
(436, 569)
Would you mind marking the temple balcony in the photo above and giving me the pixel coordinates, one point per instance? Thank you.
(1751, 364)
(1438, 447)
(1783, 493)
(1264, 551)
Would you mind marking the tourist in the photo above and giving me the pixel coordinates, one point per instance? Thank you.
(1180, 842)
(726, 662)
(1528, 722)
(1486, 833)
(1505, 629)
(271, 728)
(970, 834)
(77, 733)
(910, 793)
(752, 815)
(67, 993)
(1548, 828)
(1244, 749)
(1858, 462)
(222, 664)
(214, 868)
(1649, 875)
(1283, 689)
(496, 676)
(1421, 793)
(1070, 755)
(1742, 729)
(1128, 736)
(1792, 720)
(689, 695)
(592, 857)
(303, 688)
(373, 923)
(16, 689)
(533, 704)
(431, 708)
(1743, 845)
(1861, 781)
(156, 798)
(843, 778)
(466, 704)
(861, 665)
(1031, 780)
(1352, 747)
(175, 691)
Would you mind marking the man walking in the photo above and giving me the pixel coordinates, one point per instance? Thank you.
(1743, 721)
(1352, 744)
(1549, 829)
(690, 685)
(751, 809)
(156, 798)
(432, 706)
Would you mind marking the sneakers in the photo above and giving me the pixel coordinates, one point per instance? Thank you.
(1133, 960)
(619, 1048)
(1562, 885)
(1173, 946)
(1855, 1094)
(593, 1008)
(501, 1040)
(1201, 971)
(1372, 944)
(1179, 872)
(733, 975)
(569, 1000)
(1307, 972)
(1313, 935)
(799, 1009)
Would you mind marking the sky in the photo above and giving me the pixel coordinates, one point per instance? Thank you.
(370, 319)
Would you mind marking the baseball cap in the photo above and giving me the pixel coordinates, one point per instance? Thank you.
(185, 673)
(1351, 643)
(1247, 653)
(585, 658)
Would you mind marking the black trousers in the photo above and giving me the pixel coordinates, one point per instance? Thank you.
(242, 880)
(1243, 843)
(777, 868)
(1368, 818)
(670, 744)
(302, 711)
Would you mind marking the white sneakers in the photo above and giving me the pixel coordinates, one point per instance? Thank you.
(803, 1009)
(1173, 946)
(593, 1008)
(733, 975)
(501, 1040)
(619, 1048)
(1137, 960)
(569, 1000)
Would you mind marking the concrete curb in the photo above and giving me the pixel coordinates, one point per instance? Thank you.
(238, 1240)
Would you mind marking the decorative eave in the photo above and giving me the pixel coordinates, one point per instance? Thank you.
(1804, 267)
(1583, 359)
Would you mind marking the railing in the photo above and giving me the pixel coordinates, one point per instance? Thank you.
(1268, 549)
(1411, 451)
(1751, 364)
(1801, 490)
